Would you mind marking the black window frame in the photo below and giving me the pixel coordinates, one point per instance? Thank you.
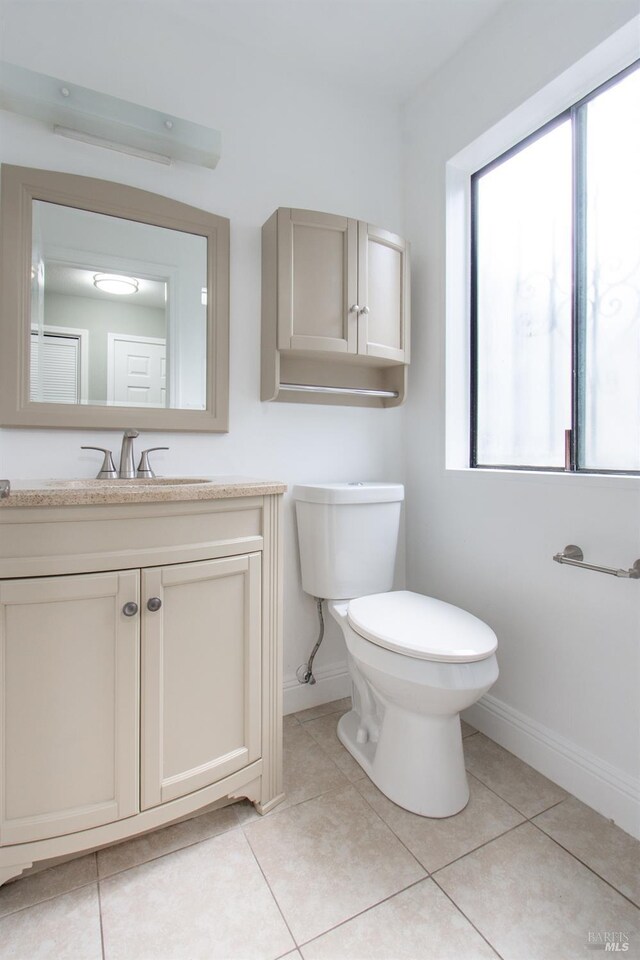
(574, 446)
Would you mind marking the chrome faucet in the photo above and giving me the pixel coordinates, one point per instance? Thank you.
(127, 469)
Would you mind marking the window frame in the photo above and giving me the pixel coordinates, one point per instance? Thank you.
(576, 114)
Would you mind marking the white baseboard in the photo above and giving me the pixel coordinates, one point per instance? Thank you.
(600, 785)
(332, 683)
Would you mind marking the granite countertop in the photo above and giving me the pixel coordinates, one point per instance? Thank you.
(69, 493)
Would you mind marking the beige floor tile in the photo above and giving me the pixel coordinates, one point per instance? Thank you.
(66, 928)
(323, 731)
(308, 770)
(516, 782)
(467, 729)
(246, 812)
(122, 856)
(206, 902)
(45, 884)
(420, 923)
(534, 901)
(438, 842)
(328, 859)
(607, 849)
(336, 706)
(290, 721)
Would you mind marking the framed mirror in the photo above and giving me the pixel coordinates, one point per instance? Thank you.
(114, 307)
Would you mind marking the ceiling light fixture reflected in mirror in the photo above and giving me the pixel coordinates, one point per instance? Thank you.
(113, 283)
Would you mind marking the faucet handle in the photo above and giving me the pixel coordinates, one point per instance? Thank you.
(144, 468)
(108, 469)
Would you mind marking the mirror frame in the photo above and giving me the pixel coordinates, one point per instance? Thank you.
(20, 186)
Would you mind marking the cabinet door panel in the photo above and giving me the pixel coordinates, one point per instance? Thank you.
(317, 281)
(70, 686)
(383, 289)
(201, 675)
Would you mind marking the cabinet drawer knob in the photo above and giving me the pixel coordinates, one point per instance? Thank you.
(130, 609)
(153, 604)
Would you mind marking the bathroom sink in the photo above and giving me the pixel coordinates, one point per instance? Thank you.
(123, 484)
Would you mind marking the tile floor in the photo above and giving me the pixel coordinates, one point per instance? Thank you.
(338, 872)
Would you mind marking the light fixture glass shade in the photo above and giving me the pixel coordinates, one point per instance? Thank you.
(114, 283)
(84, 114)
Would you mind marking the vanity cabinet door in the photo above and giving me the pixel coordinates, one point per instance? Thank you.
(69, 673)
(201, 670)
(383, 294)
(317, 282)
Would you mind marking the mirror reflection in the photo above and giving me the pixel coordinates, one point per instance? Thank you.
(118, 311)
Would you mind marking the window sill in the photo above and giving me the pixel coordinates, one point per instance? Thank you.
(619, 481)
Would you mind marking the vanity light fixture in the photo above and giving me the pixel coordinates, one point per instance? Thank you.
(105, 121)
(114, 283)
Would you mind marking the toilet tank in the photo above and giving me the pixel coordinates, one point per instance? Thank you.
(348, 536)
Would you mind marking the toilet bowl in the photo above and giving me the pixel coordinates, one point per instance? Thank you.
(404, 728)
(415, 662)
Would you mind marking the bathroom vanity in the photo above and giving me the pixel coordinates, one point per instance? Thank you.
(140, 658)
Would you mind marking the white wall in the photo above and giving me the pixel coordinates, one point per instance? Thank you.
(286, 142)
(567, 697)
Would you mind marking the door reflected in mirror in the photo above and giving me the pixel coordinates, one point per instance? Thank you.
(118, 311)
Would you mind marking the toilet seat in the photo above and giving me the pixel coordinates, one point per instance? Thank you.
(422, 627)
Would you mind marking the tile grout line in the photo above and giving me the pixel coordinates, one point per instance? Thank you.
(462, 913)
(513, 806)
(273, 896)
(104, 955)
(54, 896)
(486, 843)
(361, 913)
(586, 865)
(167, 853)
(502, 799)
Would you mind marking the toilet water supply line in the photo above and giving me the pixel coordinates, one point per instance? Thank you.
(304, 673)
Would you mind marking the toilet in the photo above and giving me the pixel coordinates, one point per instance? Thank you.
(415, 662)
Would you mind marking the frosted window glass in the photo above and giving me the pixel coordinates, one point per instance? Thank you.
(612, 327)
(523, 269)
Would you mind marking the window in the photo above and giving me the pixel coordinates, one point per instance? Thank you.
(555, 292)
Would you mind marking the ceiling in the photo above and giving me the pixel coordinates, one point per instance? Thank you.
(386, 47)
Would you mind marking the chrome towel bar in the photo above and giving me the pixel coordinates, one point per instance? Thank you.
(357, 391)
(574, 556)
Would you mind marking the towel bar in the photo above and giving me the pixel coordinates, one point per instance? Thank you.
(357, 391)
(574, 556)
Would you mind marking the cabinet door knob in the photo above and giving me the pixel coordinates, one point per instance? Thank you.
(354, 308)
(130, 609)
(153, 604)
(364, 311)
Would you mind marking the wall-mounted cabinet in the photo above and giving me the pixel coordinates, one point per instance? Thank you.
(335, 310)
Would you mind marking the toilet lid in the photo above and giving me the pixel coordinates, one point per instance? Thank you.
(422, 627)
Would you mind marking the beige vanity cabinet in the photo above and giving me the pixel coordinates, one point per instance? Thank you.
(70, 692)
(201, 669)
(140, 667)
(335, 307)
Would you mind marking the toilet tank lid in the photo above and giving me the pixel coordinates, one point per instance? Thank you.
(354, 492)
(421, 627)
